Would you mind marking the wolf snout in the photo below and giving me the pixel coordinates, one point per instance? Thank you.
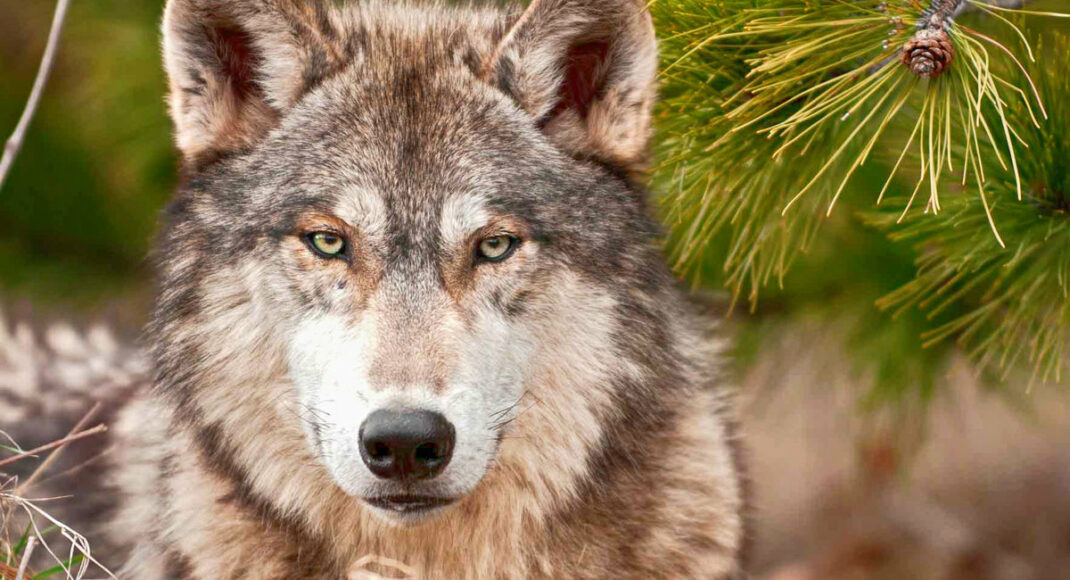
(406, 444)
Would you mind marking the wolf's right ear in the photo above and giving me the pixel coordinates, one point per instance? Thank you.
(586, 72)
(235, 65)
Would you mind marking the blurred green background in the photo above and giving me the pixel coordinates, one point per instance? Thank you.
(79, 209)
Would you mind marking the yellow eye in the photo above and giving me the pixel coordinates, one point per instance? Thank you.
(497, 248)
(327, 244)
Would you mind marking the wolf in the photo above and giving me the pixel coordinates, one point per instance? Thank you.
(412, 308)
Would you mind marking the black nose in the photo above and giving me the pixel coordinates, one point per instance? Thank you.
(406, 444)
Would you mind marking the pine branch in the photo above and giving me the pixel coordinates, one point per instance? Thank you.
(779, 103)
(1011, 304)
(14, 144)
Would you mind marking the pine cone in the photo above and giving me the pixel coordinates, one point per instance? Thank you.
(928, 52)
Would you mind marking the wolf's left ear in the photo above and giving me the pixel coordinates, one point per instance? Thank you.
(236, 65)
(586, 71)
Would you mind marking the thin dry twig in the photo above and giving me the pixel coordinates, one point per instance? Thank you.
(59, 443)
(14, 144)
(78, 543)
(26, 555)
(20, 490)
(76, 468)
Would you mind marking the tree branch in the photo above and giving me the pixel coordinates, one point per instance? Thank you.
(14, 144)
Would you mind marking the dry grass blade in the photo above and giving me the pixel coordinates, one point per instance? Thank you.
(79, 545)
(77, 558)
(53, 445)
(30, 544)
(43, 467)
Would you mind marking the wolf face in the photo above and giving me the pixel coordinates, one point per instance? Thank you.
(407, 249)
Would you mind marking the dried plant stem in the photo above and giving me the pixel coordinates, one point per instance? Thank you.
(55, 454)
(26, 555)
(14, 144)
(60, 443)
(78, 542)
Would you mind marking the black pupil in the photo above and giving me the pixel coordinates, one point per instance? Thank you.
(328, 240)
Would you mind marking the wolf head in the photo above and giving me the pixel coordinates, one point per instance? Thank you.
(408, 250)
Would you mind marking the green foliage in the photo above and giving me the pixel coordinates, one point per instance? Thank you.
(832, 291)
(14, 555)
(766, 101)
(62, 568)
(1016, 298)
(714, 183)
(775, 111)
(79, 209)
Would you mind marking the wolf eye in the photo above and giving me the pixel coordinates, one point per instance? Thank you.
(327, 244)
(497, 248)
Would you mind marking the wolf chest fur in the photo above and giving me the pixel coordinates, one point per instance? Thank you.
(412, 305)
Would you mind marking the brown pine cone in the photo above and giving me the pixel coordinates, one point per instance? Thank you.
(928, 52)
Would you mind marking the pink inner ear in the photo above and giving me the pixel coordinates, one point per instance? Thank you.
(585, 77)
(238, 61)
